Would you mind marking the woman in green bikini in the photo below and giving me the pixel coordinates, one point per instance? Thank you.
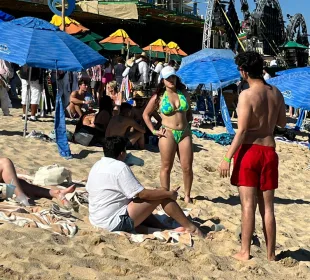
(173, 103)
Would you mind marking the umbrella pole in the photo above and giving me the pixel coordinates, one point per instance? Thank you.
(27, 101)
(212, 98)
(63, 15)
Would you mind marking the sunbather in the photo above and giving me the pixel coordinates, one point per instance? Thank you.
(125, 126)
(122, 203)
(23, 189)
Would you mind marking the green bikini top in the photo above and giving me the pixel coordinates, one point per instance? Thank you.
(166, 108)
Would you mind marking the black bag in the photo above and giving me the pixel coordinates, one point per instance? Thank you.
(83, 137)
(134, 74)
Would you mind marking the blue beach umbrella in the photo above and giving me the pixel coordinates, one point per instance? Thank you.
(293, 70)
(5, 17)
(37, 43)
(295, 88)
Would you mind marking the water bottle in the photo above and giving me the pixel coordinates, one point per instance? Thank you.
(7, 190)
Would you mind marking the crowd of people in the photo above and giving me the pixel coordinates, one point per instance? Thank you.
(122, 203)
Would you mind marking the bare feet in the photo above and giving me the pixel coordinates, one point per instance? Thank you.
(187, 199)
(60, 194)
(271, 258)
(242, 256)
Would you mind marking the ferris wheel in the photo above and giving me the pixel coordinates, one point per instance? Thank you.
(297, 29)
(264, 24)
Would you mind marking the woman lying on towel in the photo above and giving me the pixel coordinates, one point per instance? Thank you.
(24, 190)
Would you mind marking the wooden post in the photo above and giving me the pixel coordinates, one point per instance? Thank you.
(63, 17)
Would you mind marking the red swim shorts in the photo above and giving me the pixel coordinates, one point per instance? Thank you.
(256, 166)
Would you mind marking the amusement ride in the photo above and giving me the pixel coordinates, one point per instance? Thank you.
(262, 29)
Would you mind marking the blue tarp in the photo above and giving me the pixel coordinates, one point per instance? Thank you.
(5, 17)
(295, 88)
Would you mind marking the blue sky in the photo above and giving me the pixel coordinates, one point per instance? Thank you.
(288, 7)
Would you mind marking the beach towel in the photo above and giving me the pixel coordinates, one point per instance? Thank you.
(285, 140)
(36, 217)
(223, 139)
(167, 236)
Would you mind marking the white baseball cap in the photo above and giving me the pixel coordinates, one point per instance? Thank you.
(167, 72)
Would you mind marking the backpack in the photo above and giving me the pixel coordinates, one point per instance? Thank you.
(134, 74)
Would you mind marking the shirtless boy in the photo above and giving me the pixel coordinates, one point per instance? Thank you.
(260, 109)
(77, 100)
(121, 125)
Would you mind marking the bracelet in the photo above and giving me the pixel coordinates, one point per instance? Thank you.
(154, 132)
(227, 159)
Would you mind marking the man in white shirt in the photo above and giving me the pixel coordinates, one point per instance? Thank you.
(266, 74)
(143, 69)
(118, 202)
(158, 67)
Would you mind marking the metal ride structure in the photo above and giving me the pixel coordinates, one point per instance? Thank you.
(264, 24)
(297, 29)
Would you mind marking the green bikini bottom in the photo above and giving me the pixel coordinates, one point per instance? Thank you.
(178, 133)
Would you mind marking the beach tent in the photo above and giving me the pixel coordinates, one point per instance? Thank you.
(37, 43)
(156, 49)
(293, 45)
(175, 51)
(118, 41)
(5, 17)
(79, 31)
(214, 68)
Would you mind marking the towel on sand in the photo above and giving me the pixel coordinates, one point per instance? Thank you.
(36, 217)
(168, 236)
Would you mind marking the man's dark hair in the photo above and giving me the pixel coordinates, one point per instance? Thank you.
(113, 146)
(82, 81)
(252, 63)
(125, 107)
(171, 63)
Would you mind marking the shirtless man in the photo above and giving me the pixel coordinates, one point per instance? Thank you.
(260, 109)
(77, 100)
(121, 125)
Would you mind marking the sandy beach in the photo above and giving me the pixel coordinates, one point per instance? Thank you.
(30, 253)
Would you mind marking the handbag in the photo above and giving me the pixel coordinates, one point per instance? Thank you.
(83, 138)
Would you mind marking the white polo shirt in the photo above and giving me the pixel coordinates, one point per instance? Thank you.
(111, 186)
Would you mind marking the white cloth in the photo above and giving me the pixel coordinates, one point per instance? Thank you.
(126, 72)
(158, 67)
(267, 77)
(111, 186)
(5, 101)
(35, 92)
(273, 63)
(144, 71)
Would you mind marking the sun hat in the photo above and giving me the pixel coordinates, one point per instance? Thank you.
(167, 72)
(143, 54)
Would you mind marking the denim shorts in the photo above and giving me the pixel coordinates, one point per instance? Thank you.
(126, 224)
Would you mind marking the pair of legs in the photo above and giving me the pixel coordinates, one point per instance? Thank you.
(74, 110)
(168, 148)
(249, 197)
(8, 175)
(140, 211)
(34, 109)
(137, 137)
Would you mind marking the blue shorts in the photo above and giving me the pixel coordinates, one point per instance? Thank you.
(126, 224)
